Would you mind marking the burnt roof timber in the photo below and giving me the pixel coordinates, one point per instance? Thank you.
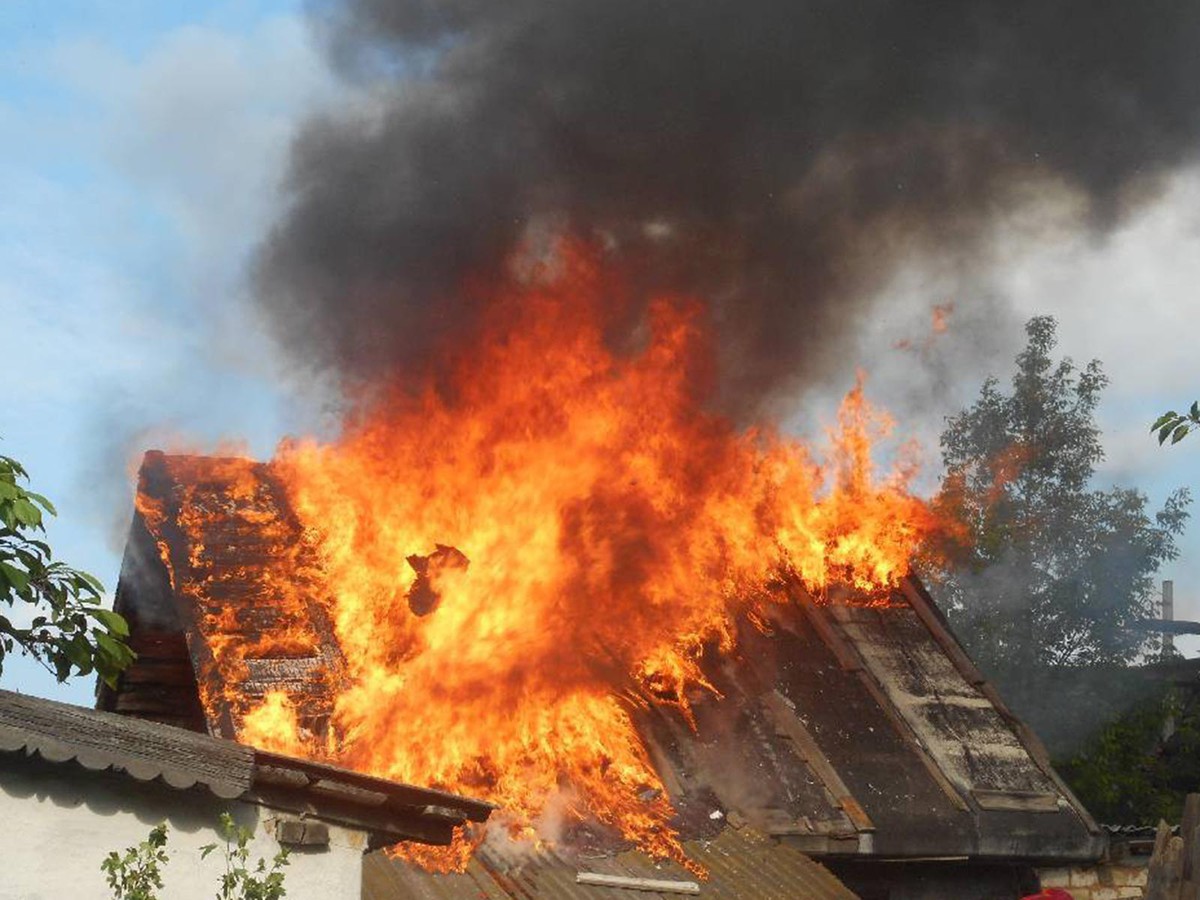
(785, 718)
(396, 793)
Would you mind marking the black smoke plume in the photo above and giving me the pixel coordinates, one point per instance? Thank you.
(775, 157)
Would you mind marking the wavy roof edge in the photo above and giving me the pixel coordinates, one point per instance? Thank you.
(98, 741)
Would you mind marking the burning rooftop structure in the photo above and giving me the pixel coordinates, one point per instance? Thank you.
(559, 257)
(556, 580)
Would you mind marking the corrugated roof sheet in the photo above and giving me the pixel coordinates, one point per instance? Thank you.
(742, 865)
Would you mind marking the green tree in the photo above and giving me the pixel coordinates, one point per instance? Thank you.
(1139, 767)
(1047, 571)
(56, 616)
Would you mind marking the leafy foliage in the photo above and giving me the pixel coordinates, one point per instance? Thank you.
(1140, 767)
(67, 631)
(137, 875)
(1047, 570)
(1175, 426)
(243, 881)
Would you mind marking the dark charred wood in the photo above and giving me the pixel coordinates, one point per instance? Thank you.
(422, 597)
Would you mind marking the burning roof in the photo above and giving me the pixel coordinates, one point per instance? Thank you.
(835, 727)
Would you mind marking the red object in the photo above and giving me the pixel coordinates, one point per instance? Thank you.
(1050, 894)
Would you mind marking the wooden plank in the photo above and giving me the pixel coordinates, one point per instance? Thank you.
(339, 790)
(154, 674)
(637, 884)
(1018, 801)
(390, 825)
(945, 640)
(662, 764)
(1187, 831)
(135, 703)
(398, 794)
(280, 776)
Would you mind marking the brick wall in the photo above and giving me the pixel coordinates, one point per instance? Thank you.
(1103, 881)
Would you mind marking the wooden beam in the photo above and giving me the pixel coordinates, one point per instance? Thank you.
(847, 658)
(638, 884)
(1020, 801)
(921, 605)
(789, 724)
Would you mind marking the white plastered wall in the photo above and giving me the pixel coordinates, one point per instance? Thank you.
(59, 821)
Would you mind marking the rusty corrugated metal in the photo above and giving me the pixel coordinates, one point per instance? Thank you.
(742, 865)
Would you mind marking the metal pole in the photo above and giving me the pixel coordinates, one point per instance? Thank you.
(1168, 615)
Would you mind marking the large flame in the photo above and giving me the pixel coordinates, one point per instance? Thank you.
(578, 526)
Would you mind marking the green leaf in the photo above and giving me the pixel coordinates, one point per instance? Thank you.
(26, 513)
(79, 652)
(91, 580)
(1163, 420)
(114, 622)
(42, 502)
(1179, 433)
(14, 576)
(113, 648)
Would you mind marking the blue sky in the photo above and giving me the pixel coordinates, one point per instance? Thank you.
(141, 149)
(141, 145)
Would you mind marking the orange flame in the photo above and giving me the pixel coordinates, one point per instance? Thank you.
(939, 324)
(609, 529)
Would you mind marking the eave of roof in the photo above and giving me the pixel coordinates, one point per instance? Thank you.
(184, 760)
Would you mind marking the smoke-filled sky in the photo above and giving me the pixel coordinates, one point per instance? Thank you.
(216, 210)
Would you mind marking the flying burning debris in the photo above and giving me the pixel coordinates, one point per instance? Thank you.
(513, 554)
